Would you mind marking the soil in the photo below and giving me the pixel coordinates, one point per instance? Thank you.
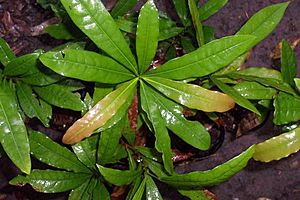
(278, 180)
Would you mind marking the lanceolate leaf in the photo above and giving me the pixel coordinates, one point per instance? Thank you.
(100, 114)
(194, 194)
(192, 133)
(287, 109)
(147, 35)
(51, 153)
(278, 147)
(205, 60)
(100, 192)
(86, 151)
(297, 83)
(83, 192)
(267, 77)
(192, 96)
(21, 65)
(109, 143)
(59, 96)
(31, 106)
(95, 21)
(49, 181)
(162, 142)
(288, 63)
(122, 7)
(212, 177)
(264, 22)
(6, 54)
(210, 8)
(182, 11)
(13, 133)
(235, 95)
(87, 66)
(254, 90)
(140, 191)
(118, 177)
(196, 22)
(152, 191)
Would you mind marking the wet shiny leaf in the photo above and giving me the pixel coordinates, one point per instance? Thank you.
(192, 96)
(267, 77)
(191, 132)
(13, 133)
(152, 192)
(205, 60)
(162, 141)
(83, 192)
(211, 177)
(86, 151)
(254, 90)
(53, 154)
(288, 63)
(87, 66)
(95, 21)
(118, 177)
(32, 106)
(235, 95)
(210, 8)
(59, 96)
(101, 113)
(49, 181)
(6, 54)
(287, 109)
(278, 147)
(147, 35)
(20, 66)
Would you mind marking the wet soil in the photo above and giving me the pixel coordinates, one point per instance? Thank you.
(278, 180)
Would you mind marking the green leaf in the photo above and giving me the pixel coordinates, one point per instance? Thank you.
(109, 145)
(215, 176)
(192, 96)
(235, 95)
(20, 66)
(59, 31)
(32, 106)
(182, 11)
(49, 181)
(150, 153)
(288, 63)
(126, 25)
(140, 191)
(196, 22)
(192, 133)
(210, 7)
(122, 7)
(87, 66)
(118, 177)
(297, 83)
(194, 194)
(162, 142)
(168, 29)
(101, 113)
(6, 54)
(100, 192)
(287, 109)
(187, 44)
(278, 147)
(95, 21)
(83, 192)
(85, 152)
(205, 60)
(59, 96)
(13, 133)
(51, 153)
(264, 22)
(147, 35)
(267, 77)
(254, 90)
(152, 191)
(134, 187)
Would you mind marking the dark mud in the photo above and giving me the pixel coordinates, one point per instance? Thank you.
(278, 180)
